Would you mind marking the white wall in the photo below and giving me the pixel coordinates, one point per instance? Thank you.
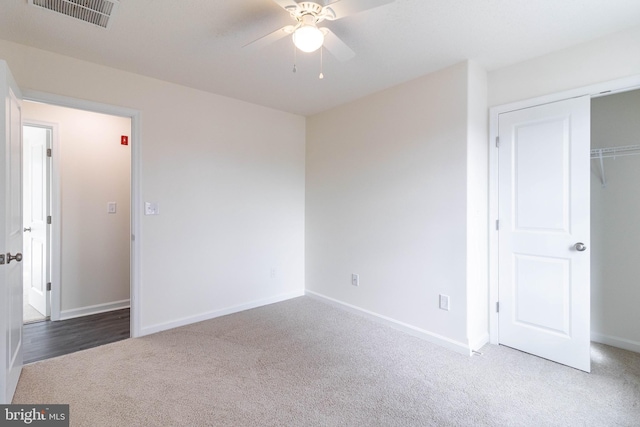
(601, 60)
(477, 208)
(387, 199)
(615, 230)
(94, 170)
(229, 179)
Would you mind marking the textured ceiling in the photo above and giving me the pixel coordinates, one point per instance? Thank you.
(199, 43)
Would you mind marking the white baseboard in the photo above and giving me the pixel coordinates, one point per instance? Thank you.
(148, 330)
(411, 330)
(622, 343)
(479, 342)
(94, 309)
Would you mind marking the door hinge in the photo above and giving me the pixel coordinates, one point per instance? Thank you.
(498, 307)
(49, 219)
(497, 224)
(497, 142)
(49, 153)
(1, 259)
(49, 286)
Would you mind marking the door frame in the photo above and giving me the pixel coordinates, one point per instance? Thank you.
(54, 206)
(136, 167)
(593, 91)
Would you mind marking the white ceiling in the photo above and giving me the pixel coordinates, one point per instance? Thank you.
(199, 43)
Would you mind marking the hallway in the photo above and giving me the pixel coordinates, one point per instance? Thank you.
(44, 340)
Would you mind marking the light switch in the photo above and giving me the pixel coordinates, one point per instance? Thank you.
(151, 208)
(111, 207)
(444, 302)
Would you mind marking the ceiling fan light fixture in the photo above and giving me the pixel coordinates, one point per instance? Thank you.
(308, 38)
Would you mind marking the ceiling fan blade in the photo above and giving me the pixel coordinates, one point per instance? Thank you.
(337, 47)
(270, 38)
(342, 8)
(288, 5)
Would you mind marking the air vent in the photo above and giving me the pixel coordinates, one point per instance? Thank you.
(96, 12)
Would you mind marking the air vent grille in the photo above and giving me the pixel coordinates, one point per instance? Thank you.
(96, 12)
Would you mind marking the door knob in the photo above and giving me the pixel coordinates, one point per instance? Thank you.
(17, 257)
(580, 247)
(27, 229)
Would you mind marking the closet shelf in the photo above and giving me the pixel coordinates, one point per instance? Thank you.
(627, 150)
(608, 152)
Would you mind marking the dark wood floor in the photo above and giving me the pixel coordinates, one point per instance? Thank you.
(43, 340)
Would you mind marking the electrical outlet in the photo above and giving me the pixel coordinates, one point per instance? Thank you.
(444, 302)
(355, 279)
(151, 208)
(273, 273)
(111, 207)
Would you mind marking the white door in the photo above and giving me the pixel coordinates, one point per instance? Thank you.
(36, 141)
(10, 235)
(544, 266)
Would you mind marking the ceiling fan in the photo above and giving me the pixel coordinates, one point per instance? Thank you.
(305, 33)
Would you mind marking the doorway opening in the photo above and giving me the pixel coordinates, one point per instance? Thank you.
(36, 182)
(615, 207)
(80, 194)
(600, 307)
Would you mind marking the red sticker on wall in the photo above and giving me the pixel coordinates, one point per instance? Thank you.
(124, 140)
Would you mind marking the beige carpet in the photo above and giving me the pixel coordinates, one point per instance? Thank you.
(305, 363)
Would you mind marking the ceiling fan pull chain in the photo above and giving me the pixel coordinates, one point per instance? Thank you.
(321, 76)
(295, 58)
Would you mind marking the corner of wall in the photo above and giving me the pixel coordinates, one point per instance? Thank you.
(395, 191)
(477, 207)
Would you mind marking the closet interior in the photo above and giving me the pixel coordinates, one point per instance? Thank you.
(615, 220)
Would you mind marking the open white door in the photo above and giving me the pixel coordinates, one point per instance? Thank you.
(10, 235)
(544, 266)
(36, 140)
